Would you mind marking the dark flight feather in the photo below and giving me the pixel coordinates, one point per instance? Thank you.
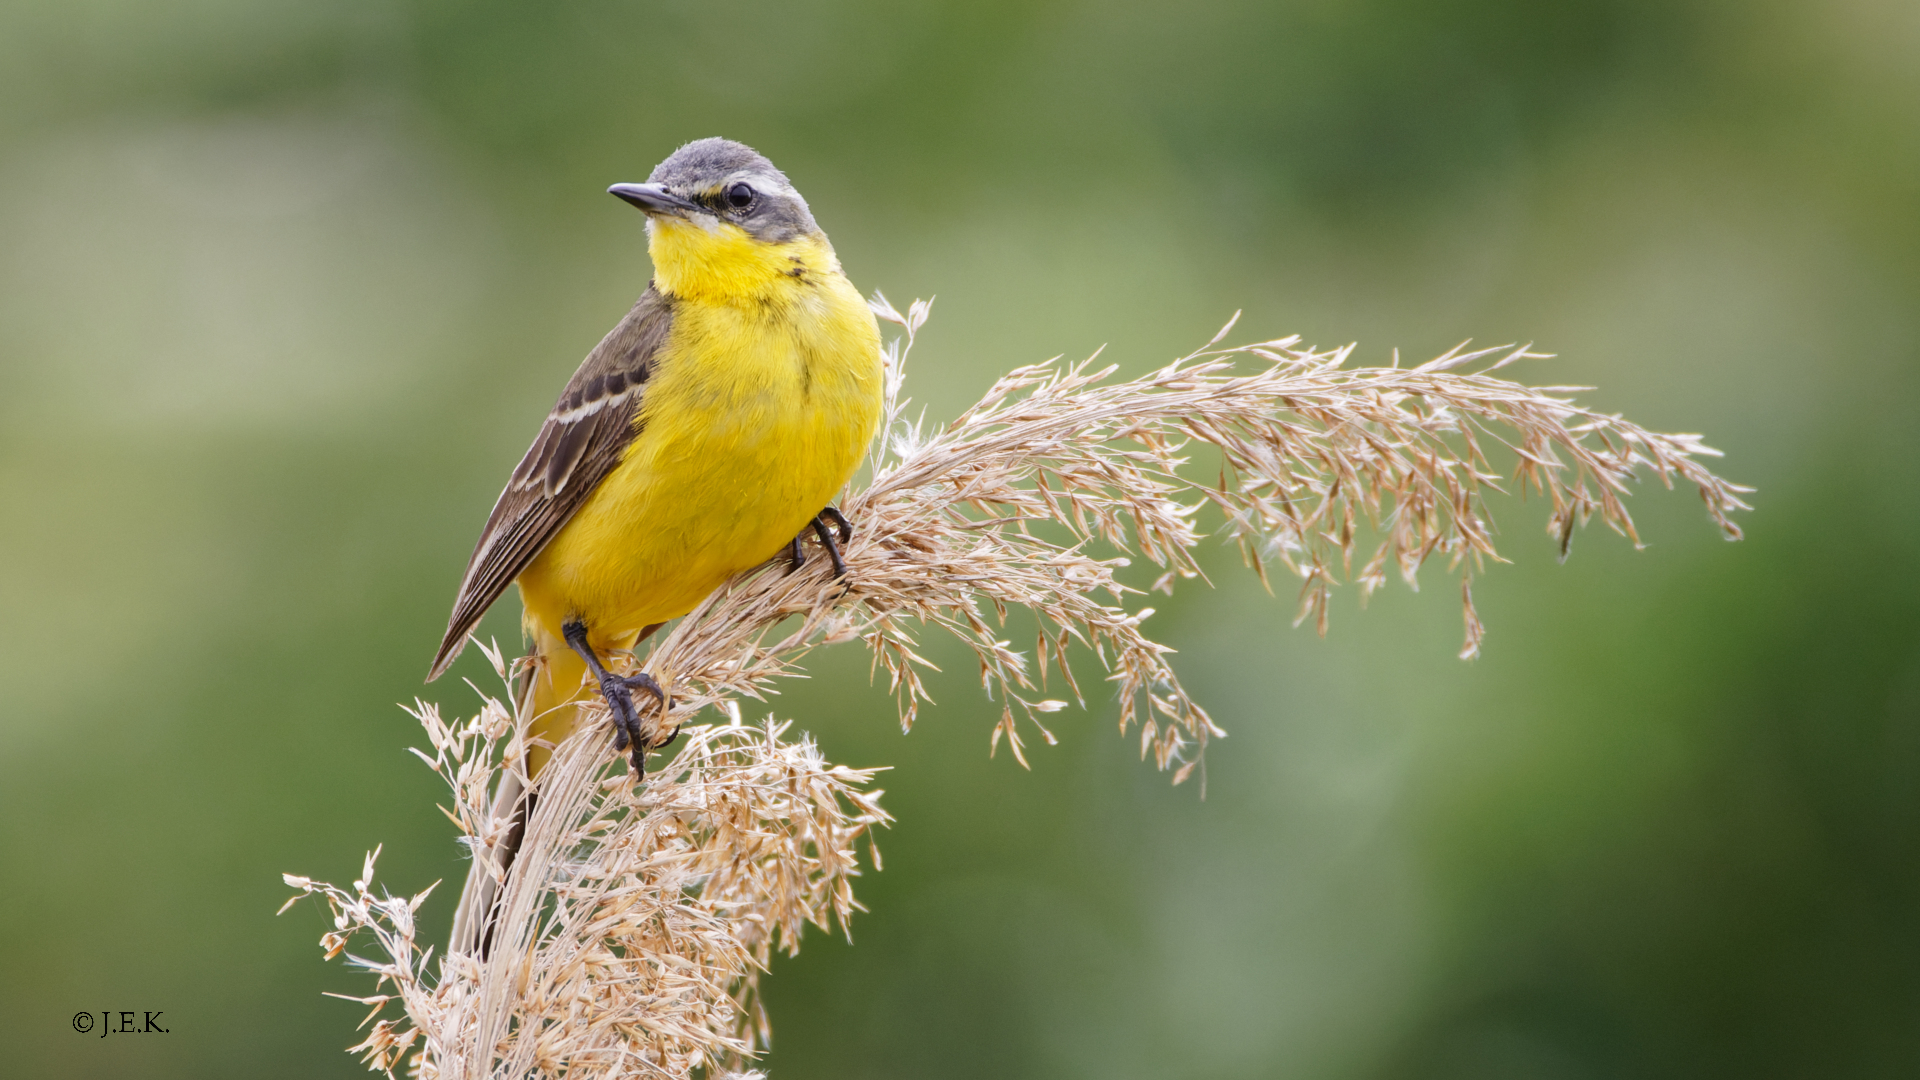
(583, 438)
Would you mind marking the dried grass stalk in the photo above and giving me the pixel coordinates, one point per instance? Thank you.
(636, 923)
(636, 948)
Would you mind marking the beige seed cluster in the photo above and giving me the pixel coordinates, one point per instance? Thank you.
(637, 922)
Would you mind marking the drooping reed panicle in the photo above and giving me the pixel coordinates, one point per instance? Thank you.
(637, 922)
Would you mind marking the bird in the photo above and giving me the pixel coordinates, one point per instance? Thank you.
(703, 436)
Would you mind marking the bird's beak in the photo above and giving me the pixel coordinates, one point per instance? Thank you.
(655, 199)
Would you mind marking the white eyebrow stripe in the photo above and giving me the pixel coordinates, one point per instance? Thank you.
(581, 412)
(764, 181)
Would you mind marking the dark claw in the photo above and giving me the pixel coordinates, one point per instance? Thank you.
(644, 681)
(826, 541)
(840, 523)
(641, 681)
(797, 556)
(626, 718)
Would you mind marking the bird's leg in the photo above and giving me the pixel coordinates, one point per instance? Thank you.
(618, 691)
(833, 550)
(826, 537)
(797, 555)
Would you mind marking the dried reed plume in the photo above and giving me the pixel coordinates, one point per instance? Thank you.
(636, 923)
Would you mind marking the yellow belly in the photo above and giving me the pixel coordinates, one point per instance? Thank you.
(755, 418)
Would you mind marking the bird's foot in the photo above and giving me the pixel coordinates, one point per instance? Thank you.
(796, 556)
(840, 523)
(627, 730)
(825, 535)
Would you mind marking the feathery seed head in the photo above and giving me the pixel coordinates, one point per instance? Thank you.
(636, 924)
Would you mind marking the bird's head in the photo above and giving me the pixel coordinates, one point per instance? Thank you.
(722, 222)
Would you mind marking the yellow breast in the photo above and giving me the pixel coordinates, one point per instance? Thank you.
(762, 402)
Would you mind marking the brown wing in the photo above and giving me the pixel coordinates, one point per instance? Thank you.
(582, 440)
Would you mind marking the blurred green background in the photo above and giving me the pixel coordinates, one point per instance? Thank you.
(285, 288)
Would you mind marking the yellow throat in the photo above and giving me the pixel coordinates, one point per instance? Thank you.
(723, 263)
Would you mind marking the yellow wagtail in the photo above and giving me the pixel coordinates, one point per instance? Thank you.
(707, 431)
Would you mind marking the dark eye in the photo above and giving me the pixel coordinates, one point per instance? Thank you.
(739, 196)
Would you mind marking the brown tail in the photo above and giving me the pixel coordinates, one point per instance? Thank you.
(556, 693)
(551, 691)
